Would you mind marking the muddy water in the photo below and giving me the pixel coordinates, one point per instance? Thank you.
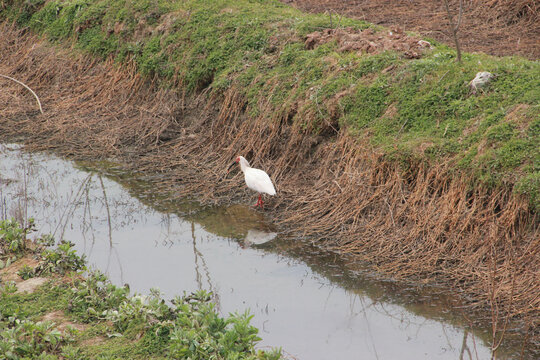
(302, 299)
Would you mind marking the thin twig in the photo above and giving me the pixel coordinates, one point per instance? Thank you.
(459, 16)
(442, 77)
(402, 126)
(26, 86)
(455, 28)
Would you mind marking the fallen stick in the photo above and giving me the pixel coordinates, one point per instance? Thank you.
(33, 93)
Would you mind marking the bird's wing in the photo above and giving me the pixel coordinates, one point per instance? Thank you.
(259, 181)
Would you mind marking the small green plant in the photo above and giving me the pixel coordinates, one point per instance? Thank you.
(27, 339)
(140, 310)
(13, 236)
(46, 240)
(70, 352)
(192, 328)
(61, 260)
(26, 272)
(200, 333)
(8, 288)
(93, 297)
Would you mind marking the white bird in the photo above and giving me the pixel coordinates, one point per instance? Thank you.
(256, 179)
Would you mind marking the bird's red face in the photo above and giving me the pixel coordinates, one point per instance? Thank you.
(237, 159)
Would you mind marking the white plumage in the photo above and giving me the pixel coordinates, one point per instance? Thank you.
(256, 179)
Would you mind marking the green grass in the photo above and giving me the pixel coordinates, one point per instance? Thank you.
(258, 48)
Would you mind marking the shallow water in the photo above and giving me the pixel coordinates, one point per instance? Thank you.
(303, 299)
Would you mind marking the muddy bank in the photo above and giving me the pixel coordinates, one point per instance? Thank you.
(415, 222)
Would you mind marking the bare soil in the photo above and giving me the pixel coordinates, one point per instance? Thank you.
(61, 322)
(10, 273)
(30, 285)
(496, 27)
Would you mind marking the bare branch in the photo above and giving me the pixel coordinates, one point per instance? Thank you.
(454, 28)
(459, 16)
(20, 83)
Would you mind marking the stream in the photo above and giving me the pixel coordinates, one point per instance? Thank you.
(303, 299)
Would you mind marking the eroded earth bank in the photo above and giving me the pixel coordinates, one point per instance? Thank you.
(399, 204)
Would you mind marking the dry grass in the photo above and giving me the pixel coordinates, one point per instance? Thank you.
(420, 223)
(510, 11)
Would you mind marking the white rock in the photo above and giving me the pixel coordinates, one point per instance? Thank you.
(425, 44)
(480, 80)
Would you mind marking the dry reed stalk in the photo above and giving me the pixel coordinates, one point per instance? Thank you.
(27, 88)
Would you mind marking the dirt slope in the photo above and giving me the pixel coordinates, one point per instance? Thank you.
(496, 27)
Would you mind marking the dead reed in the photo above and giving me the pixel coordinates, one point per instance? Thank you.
(509, 11)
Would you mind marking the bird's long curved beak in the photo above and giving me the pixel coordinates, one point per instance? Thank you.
(230, 166)
(228, 169)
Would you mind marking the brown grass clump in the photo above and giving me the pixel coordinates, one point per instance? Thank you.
(369, 41)
(419, 222)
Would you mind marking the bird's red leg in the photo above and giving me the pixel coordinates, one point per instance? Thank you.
(259, 202)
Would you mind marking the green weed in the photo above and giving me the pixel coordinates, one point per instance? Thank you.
(13, 236)
(25, 339)
(61, 260)
(26, 272)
